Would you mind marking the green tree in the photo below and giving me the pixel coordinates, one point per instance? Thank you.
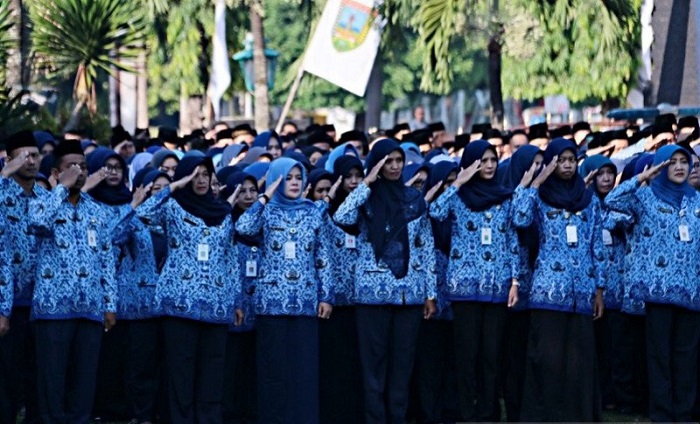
(81, 37)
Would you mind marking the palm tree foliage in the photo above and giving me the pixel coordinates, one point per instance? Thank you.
(581, 48)
(82, 37)
(6, 39)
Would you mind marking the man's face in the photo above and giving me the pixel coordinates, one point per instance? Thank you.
(30, 167)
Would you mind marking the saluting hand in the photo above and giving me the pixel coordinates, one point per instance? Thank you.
(467, 173)
(374, 173)
(234, 196)
(334, 189)
(546, 172)
(182, 182)
(15, 164)
(69, 177)
(589, 178)
(93, 180)
(431, 193)
(528, 176)
(273, 187)
(651, 173)
(140, 195)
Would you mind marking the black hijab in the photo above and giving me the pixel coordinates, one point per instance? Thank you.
(389, 209)
(211, 210)
(341, 168)
(479, 194)
(442, 231)
(572, 194)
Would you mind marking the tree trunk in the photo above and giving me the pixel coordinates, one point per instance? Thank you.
(373, 95)
(495, 90)
(74, 119)
(142, 92)
(262, 106)
(16, 73)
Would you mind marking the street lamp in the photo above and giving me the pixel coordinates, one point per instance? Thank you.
(245, 60)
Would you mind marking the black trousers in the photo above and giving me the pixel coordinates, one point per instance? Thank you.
(341, 381)
(240, 384)
(288, 378)
(515, 358)
(18, 369)
(195, 353)
(478, 334)
(142, 369)
(605, 341)
(110, 396)
(387, 337)
(67, 352)
(434, 397)
(561, 379)
(629, 363)
(672, 351)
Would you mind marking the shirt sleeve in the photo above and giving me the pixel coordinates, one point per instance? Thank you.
(440, 209)
(623, 198)
(524, 206)
(151, 211)
(348, 212)
(251, 222)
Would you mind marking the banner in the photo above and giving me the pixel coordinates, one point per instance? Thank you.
(345, 43)
(220, 77)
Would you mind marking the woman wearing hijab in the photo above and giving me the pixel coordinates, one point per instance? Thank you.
(518, 321)
(270, 141)
(195, 293)
(394, 282)
(602, 174)
(232, 155)
(434, 380)
(145, 251)
(139, 162)
(345, 149)
(240, 384)
(482, 275)
(320, 182)
(166, 161)
(665, 226)
(111, 190)
(293, 290)
(566, 294)
(341, 386)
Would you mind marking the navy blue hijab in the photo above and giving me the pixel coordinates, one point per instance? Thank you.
(572, 194)
(518, 165)
(442, 231)
(389, 209)
(104, 193)
(665, 189)
(315, 177)
(479, 194)
(341, 168)
(211, 210)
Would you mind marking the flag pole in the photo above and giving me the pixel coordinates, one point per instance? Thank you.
(290, 98)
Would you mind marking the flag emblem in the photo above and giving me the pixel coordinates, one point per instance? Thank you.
(352, 25)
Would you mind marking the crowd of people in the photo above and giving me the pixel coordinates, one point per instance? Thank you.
(230, 276)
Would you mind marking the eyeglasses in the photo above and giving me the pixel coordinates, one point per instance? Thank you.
(116, 169)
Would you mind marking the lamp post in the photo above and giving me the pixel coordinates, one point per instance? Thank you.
(247, 61)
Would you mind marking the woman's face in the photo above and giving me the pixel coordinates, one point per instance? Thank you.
(489, 163)
(215, 185)
(352, 179)
(605, 179)
(292, 185)
(114, 172)
(393, 166)
(321, 190)
(679, 168)
(694, 176)
(420, 180)
(566, 165)
(315, 156)
(159, 184)
(201, 183)
(274, 148)
(538, 160)
(247, 195)
(169, 166)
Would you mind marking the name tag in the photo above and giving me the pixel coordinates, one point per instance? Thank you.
(92, 238)
(350, 241)
(684, 232)
(486, 236)
(251, 268)
(290, 250)
(203, 252)
(571, 234)
(607, 238)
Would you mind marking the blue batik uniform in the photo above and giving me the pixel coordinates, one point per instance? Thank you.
(6, 289)
(249, 260)
(344, 257)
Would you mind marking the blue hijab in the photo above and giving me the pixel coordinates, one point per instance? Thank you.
(140, 161)
(628, 170)
(340, 151)
(518, 165)
(263, 139)
(281, 167)
(315, 177)
(387, 212)
(232, 182)
(211, 210)
(104, 193)
(230, 153)
(594, 163)
(158, 239)
(258, 169)
(644, 160)
(479, 194)
(342, 168)
(572, 194)
(665, 189)
(442, 231)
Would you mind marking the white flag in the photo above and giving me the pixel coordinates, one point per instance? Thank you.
(344, 46)
(220, 77)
